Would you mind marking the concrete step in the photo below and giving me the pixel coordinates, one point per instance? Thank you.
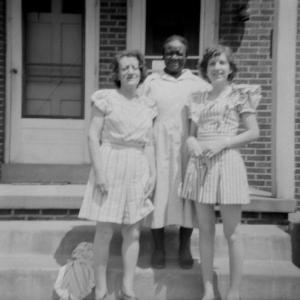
(44, 173)
(32, 277)
(69, 196)
(59, 238)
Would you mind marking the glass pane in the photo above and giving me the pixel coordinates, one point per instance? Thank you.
(168, 17)
(53, 65)
(37, 6)
(72, 6)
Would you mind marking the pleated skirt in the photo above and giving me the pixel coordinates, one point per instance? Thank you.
(126, 170)
(219, 180)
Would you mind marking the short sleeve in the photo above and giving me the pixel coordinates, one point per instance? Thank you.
(193, 105)
(151, 104)
(248, 99)
(102, 100)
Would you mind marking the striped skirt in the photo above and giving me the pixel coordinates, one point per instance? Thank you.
(126, 171)
(219, 180)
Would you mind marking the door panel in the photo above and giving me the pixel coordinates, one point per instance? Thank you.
(53, 64)
(48, 94)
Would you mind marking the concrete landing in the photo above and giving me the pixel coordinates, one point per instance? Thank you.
(32, 278)
(69, 196)
(31, 253)
(59, 238)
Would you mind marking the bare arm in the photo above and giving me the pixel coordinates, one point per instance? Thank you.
(251, 133)
(150, 154)
(193, 145)
(94, 137)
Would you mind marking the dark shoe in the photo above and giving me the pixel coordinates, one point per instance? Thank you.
(185, 258)
(158, 259)
(124, 296)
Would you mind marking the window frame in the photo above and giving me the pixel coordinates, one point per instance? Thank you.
(136, 25)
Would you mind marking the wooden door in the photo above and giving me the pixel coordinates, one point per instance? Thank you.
(48, 87)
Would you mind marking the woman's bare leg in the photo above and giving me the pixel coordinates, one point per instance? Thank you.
(103, 235)
(231, 216)
(206, 221)
(130, 253)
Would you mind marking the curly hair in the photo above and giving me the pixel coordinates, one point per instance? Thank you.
(128, 53)
(215, 51)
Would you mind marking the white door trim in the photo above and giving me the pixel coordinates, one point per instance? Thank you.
(136, 24)
(14, 71)
(14, 80)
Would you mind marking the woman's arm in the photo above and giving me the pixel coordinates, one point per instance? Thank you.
(150, 154)
(193, 145)
(251, 133)
(94, 137)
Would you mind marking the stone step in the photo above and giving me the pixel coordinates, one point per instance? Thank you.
(69, 196)
(44, 173)
(59, 238)
(32, 277)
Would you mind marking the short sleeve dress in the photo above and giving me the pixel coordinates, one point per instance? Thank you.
(127, 129)
(170, 132)
(223, 178)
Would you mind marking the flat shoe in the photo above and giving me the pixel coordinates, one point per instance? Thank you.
(124, 296)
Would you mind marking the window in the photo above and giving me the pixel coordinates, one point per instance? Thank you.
(169, 17)
(53, 59)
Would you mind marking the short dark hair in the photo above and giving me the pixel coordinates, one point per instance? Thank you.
(128, 53)
(214, 51)
(175, 37)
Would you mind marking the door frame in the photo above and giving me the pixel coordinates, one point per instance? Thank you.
(136, 24)
(14, 72)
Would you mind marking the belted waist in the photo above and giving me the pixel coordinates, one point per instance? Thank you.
(203, 137)
(130, 144)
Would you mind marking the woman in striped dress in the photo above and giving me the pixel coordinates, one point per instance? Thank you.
(216, 173)
(123, 169)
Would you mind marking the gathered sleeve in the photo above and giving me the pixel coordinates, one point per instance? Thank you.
(248, 98)
(101, 99)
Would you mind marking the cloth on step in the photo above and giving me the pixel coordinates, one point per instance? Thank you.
(75, 279)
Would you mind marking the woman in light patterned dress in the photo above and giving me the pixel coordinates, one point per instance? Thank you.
(123, 168)
(216, 173)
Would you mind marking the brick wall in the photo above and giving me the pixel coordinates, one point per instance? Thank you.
(112, 36)
(2, 78)
(252, 42)
(297, 111)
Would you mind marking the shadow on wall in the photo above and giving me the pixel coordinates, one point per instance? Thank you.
(239, 16)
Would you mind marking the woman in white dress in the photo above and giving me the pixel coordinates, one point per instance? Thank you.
(123, 169)
(171, 90)
(216, 173)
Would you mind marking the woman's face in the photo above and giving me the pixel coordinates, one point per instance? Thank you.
(174, 57)
(218, 69)
(129, 71)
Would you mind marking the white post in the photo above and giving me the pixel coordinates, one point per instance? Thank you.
(283, 107)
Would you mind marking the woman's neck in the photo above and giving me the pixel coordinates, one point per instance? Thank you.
(128, 92)
(218, 89)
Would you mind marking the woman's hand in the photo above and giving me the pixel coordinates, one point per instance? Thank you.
(149, 187)
(101, 183)
(194, 147)
(212, 148)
